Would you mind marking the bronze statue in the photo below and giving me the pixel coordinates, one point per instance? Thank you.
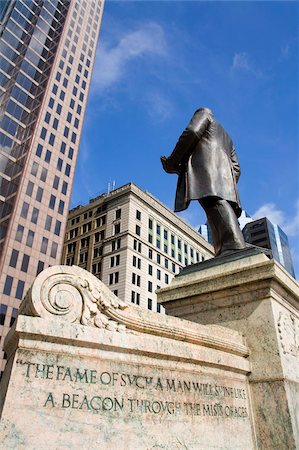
(208, 168)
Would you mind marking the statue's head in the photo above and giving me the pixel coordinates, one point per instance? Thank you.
(207, 110)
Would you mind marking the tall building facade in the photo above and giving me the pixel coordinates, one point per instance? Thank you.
(132, 242)
(264, 233)
(47, 51)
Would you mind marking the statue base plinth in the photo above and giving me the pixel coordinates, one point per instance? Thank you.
(247, 292)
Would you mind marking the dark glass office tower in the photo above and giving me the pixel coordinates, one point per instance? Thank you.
(263, 233)
(47, 51)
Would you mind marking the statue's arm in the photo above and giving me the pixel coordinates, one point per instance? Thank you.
(188, 139)
(235, 164)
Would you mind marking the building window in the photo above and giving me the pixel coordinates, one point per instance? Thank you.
(166, 278)
(3, 309)
(150, 238)
(138, 215)
(158, 274)
(43, 133)
(14, 258)
(51, 139)
(117, 228)
(67, 170)
(115, 245)
(158, 259)
(158, 243)
(59, 164)
(83, 257)
(114, 261)
(44, 245)
(150, 253)
(7, 285)
(150, 286)
(39, 150)
(48, 223)
(150, 224)
(30, 237)
(135, 298)
(172, 239)
(137, 245)
(39, 194)
(34, 216)
(136, 262)
(20, 289)
(138, 230)
(61, 207)
(25, 263)
(136, 279)
(24, 211)
(44, 173)
(29, 189)
(149, 303)
(64, 188)
(56, 182)
(57, 228)
(165, 248)
(48, 156)
(113, 278)
(165, 235)
(166, 263)
(40, 267)
(150, 269)
(34, 168)
(19, 233)
(118, 214)
(54, 250)
(158, 307)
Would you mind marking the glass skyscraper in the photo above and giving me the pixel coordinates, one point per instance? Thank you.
(263, 233)
(47, 51)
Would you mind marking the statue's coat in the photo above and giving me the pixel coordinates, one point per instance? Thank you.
(206, 162)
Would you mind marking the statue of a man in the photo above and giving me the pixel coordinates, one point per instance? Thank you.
(208, 168)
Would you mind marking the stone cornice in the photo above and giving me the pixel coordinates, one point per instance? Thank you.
(76, 296)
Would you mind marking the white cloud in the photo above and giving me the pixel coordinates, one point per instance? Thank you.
(290, 225)
(241, 62)
(111, 62)
(159, 107)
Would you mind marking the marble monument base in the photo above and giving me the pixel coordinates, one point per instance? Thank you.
(258, 298)
(87, 371)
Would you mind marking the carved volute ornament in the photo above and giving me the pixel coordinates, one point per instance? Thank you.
(74, 295)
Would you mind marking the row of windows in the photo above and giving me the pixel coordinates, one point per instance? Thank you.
(84, 242)
(135, 298)
(180, 245)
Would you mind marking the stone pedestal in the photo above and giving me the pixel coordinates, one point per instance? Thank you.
(258, 298)
(87, 371)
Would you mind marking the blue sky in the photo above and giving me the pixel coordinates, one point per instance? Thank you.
(158, 61)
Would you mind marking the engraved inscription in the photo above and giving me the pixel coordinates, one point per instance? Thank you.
(111, 392)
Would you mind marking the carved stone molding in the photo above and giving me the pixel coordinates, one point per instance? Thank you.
(77, 296)
(288, 329)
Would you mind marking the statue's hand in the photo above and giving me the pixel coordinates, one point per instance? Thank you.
(167, 166)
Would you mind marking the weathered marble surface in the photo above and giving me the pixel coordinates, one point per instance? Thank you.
(258, 298)
(88, 371)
